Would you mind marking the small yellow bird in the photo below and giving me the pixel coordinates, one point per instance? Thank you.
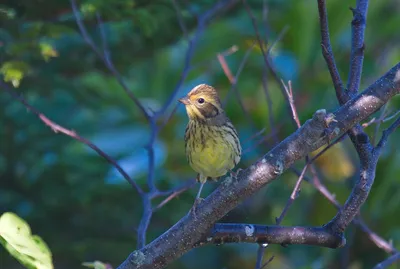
(211, 141)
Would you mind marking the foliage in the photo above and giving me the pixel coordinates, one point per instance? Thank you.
(28, 249)
(86, 211)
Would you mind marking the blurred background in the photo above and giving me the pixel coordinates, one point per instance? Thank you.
(85, 211)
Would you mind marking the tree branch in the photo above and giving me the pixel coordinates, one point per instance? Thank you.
(313, 134)
(58, 128)
(357, 45)
(389, 261)
(223, 233)
(327, 50)
(105, 57)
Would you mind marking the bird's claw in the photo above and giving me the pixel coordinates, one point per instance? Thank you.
(194, 207)
(235, 174)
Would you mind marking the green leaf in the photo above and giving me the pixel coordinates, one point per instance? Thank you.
(14, 71)
(47, 51)
(30, 250)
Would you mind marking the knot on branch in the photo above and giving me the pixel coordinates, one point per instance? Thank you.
(322, 128)
(362, 138)
(137, 258)
(358, 17)
(278, 168)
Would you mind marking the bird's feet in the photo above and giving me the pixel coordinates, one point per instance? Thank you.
(193, 210)
(234, 175)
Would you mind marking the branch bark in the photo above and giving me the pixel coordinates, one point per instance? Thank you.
(224, 233)
(184, 235)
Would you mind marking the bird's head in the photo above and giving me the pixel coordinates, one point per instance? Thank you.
(202, 103)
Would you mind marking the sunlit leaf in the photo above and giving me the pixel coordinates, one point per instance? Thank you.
(14, 71)
(30, 250)
(88, 9)
(47, 51)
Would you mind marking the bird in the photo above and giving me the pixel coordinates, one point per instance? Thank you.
(212, 144)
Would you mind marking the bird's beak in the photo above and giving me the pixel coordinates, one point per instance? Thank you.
(184, 100)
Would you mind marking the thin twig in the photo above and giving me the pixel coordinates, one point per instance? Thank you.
(293, 196)
(58, 128)
(180, 18)
(267, 262)
(260, 255)
(264, 53)
(327, 50)
(357, 45)
(289, 93)
(202, 22)
(389, 261)
(234, 79)
(386, 133)
(174, 193)
(225, 68)
(105, 57)
(271, 117)
(379, 241)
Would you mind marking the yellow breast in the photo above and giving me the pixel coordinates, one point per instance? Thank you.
(212, 150)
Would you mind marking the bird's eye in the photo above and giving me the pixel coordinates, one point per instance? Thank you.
(200, 100)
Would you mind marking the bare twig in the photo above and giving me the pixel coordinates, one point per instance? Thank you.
(267, 262)
(260, 254)
(105, 57)
(389, 261)
(293, 196)
(357, 45)
(225, 68)
(271, 117)
(327, 50)
(383, 118)
(192, 228)
(202, 22)
(180, 18)
(379, 241)
(386, 134)
(264, 53)
(330, 145)
(321, 188)
(58, 128)
(174, 193)
(234, 79)
(289, 93)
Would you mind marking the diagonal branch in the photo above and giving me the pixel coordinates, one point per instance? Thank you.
(58, 128)
(105, 57)
(389, 261)
(181, 237)
(202, 22)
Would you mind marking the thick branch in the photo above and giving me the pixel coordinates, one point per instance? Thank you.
(263, 234)
(313, 134)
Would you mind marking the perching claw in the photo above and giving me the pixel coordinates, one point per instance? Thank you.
(197, 201)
